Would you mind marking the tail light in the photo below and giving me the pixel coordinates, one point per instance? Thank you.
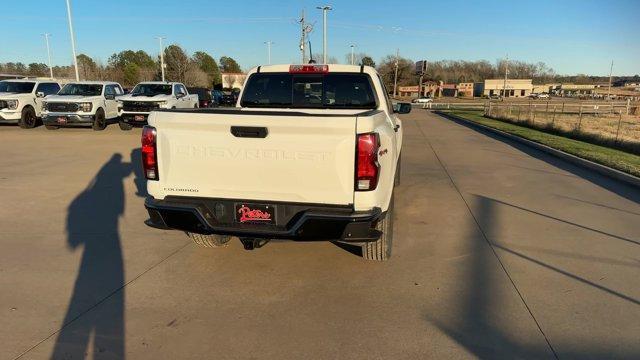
(149, 153)
(308, 69)
(367, 166)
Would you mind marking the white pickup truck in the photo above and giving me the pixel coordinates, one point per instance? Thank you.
(311, 153)
(149, 96)
(84, 103)
(21, 100)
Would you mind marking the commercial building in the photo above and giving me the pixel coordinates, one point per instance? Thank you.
(449, 90)
(512, 87)
(574, 90)
(429, 88)
(465, 89)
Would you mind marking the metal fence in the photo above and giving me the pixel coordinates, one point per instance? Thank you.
(586, 107)
(610, 121)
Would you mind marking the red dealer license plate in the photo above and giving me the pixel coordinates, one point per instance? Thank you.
(62, 120)
(255, 214)
(138, 118)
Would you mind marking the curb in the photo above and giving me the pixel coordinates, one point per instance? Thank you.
(588, 164)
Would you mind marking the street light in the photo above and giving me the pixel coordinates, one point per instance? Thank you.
(161, 56)
(73, 41)
(46, 38)
(324, 9)
(269, 43)
(352, 54)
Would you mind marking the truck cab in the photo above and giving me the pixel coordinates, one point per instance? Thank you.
(21, 100)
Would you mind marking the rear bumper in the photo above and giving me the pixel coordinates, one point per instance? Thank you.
(70, 119)
(294, 221)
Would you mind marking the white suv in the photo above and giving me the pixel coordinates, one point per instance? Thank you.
(89, 103)
(21, 100)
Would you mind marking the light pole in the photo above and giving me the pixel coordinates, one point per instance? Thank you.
(610, 73)
(506, 73)
(324, 9)
(161, 56)
(269, 43)
(46, 38)
(73, 40)
(352, 54)
(395, 76)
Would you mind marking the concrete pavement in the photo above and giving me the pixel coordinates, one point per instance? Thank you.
(499, 252)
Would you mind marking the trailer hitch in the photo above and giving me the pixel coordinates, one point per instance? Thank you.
(253, 243)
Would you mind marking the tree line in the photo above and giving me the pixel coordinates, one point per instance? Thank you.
(200, 69)
(130, 67)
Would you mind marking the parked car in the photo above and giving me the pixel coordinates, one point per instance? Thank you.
(216, 96)
(495, 97)
(422, 100)
(205, 100)
(533, 95)
(543, 96)
(21, 100)
(229, 98)
(311, 171)
(145, 97)
(86, 103)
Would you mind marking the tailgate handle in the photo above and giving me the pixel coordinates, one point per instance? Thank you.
(249, 131)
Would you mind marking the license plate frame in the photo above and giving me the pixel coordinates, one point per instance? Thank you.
(62, 120)
(252, 213)
(138, 117)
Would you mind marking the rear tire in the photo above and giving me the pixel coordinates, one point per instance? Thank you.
(99, 121)
(209, 241)
(124, 126)
(28, 120)
(51, 127)
(380, 250)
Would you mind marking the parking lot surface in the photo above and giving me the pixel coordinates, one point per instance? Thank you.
(499, 252)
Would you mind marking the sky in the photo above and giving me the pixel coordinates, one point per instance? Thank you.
(573, 37)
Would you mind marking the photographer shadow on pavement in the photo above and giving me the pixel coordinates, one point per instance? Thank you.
(92, 222)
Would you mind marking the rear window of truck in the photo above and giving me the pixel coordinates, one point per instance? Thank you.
(330, 91)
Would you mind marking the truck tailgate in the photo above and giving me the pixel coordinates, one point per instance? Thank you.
(303, 158)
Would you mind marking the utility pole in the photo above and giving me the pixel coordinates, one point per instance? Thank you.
(506, 71)
(46, 38)
(352, 55)
(610, 73)
(160, 38)
(395, 76)
(324, 9)
(269, 43)
(305, 29)
(73, 41)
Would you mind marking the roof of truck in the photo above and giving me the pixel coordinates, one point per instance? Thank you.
(88, 82)
(30, 80)
(160, 82)
(332, 68)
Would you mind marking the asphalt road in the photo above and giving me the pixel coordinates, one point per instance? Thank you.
(499, 252)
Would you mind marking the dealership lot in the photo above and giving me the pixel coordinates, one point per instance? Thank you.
(500, 251)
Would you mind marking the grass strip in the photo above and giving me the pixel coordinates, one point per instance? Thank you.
(612, 158)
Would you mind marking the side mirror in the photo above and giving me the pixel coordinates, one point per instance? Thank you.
(180, 95)
(110, 97)
(402, 108)
(40, 94)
